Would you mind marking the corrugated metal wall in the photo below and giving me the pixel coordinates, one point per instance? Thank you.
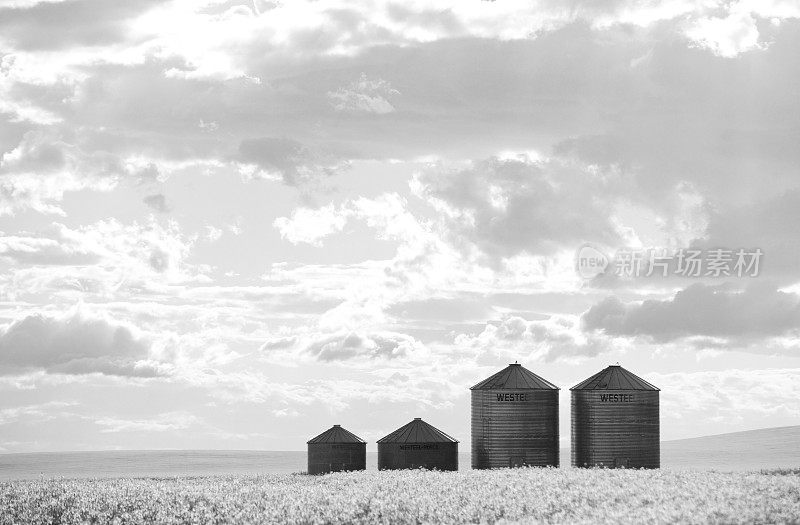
(336, 457)
(615, 431)
(440, 456)
(512, 428)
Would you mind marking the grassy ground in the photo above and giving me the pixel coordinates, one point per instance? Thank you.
(500, 496)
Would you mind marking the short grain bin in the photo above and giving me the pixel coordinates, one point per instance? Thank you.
(417, 445)
(514, 420)
(615, 421)
(336, 450)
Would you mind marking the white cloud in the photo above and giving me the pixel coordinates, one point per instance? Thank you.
(285, 412)
(737, 317)
(289, 160)
(736, 30)
(157, 202)
(39, 412)
(557, 338)
(365, 95)
(510, 207)
(25, 4)
(349, 345)
(166, 422)
(726, 37)
(75, 343)
(731, 399)
(610, 121)
(38, 172)
(311, 226)
(104, 260)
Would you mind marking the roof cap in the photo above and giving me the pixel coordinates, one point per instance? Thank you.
(614, 377)
(336, 434)
(417, 431)
(515, 377)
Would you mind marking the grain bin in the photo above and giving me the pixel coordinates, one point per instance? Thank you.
(417, 445)
(336, 450)
(514, 420)
(615, 421)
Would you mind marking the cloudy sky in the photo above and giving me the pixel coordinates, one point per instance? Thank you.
(232, 224)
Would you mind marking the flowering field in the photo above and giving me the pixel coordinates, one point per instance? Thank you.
(499, 496)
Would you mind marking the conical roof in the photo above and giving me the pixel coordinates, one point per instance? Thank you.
(336, 434)
(417, 431)
(515, 377)
(614, 377)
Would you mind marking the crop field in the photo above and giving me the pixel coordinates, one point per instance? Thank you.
(524, 495)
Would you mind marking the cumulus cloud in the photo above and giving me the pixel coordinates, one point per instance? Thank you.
(365, 95)
(738, 315)
(345, 346)
(456, 111)
(106, 258)
(44, 166)
(640, 118)
(558, 337)
(735, 28)
(727, 37)
(288, 160)
(157, 202)
(49, 247)
(75, 343)
(508, 207)
(348, 27)
(311, 226)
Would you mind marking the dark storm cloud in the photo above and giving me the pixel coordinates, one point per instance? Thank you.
(73, 345)
(58, 25)
(758, 311)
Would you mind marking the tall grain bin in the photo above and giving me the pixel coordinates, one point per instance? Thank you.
(514, 420)
(336, 450)
(615, 421)
(417, 444)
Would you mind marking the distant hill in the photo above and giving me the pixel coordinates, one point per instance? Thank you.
(752, 450)
(749, 450)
